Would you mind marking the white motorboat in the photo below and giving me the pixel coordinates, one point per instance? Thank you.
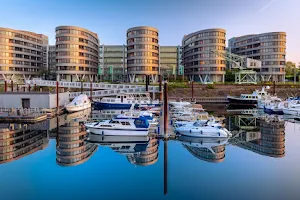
(179, 104)
(274, 106)
(79, 103)
(136, 114)
(265, 100)
(125, 126)
(125, 101)
(292, 108)
(247, 99)
(200, 129)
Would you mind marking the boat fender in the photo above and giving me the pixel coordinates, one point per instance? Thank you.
(190, 130)
(102, 132)
(201, 132)
(219, 134)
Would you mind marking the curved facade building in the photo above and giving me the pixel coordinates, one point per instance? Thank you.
(22, 54)
(71, 148)
(200, 63)
(77, 54)
(142, 53)
(269, 48)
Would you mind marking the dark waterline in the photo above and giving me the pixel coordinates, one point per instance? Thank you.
(261, 163)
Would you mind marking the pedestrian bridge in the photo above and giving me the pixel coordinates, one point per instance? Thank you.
(98, 89)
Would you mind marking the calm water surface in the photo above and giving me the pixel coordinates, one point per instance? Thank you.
(262, 161)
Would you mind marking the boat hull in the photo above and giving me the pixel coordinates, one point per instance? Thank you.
(202, 133)
(241, 102)
(120, 132)
(72, 109)
(273, 111)
(291, 112)
(121, 106)
(100, 106)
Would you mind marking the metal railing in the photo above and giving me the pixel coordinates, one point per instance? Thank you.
(99, 86)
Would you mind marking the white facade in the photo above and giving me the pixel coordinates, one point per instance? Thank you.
(36, 99)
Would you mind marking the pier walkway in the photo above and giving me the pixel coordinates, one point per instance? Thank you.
(98, 89)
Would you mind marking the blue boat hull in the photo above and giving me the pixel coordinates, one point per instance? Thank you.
(121, 106)
(270, 111)
(101, 106)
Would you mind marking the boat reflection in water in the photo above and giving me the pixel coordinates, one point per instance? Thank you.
(72, 149)
(139, 150)
(206, 149)
(16, 141)
(263, 135)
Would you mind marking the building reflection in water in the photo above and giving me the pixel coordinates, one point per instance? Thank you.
(147, 157)
(265, 135)
(16, 141)
(72, 149)
(206, 149)
(139, 150)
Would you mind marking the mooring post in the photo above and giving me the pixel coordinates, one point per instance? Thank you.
(57, 100)
(17, 88)
(12, 85)
(274, 85)
(192, 91)
(5, 86)
(24, 88)
(160, 86)
(81, 88)
(147, 83)
(29, 88)
(35, 89)
(165, 108)
(91, 91)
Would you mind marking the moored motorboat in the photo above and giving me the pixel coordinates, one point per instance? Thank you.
(125, 101)
(247, 99)
(292, 108)
(79, 103)
(125, 126)
(274, 107)
(206, 129)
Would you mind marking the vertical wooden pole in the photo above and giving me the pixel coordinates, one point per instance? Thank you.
(57, 100)
(160, 87)
(5, 86)
(12, 85)
(91, 91)
(35, 89)
(24, 89)
(17, 88)
(147, 83)
(81, 88)
(29, 88)
(274, 85)
(165, 108)
(192, 91)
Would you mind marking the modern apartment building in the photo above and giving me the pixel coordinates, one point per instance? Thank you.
(23, 54)
(142, 53)
(199, 60)
(270, 48)
(77, 54)
(113, 63)
(52, 61)
(169, 61)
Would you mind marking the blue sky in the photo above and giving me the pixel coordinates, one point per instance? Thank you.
(174, 18)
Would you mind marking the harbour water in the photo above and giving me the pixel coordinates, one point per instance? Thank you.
(260, 162)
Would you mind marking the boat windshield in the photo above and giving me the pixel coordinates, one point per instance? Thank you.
(198, 123)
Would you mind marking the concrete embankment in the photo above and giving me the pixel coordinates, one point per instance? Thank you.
(219, 90)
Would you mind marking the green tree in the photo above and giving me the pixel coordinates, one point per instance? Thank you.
(229, 76)
(289, 68)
